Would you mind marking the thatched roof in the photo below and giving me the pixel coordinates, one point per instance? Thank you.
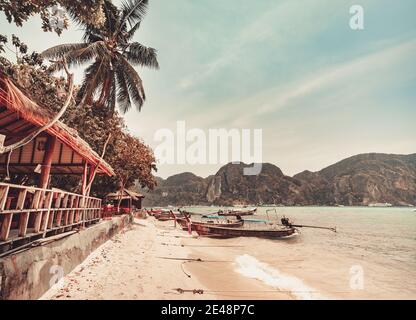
(15, 100)
(127, 194)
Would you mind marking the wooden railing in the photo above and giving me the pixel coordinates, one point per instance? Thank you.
(33, 212)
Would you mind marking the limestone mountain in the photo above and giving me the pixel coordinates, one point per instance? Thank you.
(365, 179)
(181, 189)
(230, 186)
(359, 180)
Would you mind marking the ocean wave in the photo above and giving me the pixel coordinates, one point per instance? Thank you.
(250, 267)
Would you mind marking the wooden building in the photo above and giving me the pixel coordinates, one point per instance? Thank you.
(30, 212)
(130, 200)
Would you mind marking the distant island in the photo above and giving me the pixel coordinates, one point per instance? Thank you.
(362, 180)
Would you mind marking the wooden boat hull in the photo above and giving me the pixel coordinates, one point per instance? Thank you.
(220, 232)
(165, 219)
(154, 212)
(230, 213)
(233, 213)
(184, 224)
(237, 213)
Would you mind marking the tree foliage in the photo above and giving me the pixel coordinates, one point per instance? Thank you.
(86, 11)
(107, 44)
(130, 158)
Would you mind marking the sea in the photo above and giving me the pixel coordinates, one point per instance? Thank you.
(371, 256)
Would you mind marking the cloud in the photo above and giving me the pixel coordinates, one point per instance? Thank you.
(360, 75)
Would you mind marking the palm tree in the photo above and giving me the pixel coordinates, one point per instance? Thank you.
(111, 77)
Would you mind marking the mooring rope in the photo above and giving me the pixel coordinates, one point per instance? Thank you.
(183, 270)
(193, 260)
(199, 246)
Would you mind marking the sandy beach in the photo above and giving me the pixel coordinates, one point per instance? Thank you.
(151, 259)
(139, 263)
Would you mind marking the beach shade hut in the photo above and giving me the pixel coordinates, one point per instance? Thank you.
(129, 200)
(30, 212)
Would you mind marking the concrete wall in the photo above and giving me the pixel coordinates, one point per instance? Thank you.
(27, 275)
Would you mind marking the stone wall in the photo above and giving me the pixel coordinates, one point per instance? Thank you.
(29, 274)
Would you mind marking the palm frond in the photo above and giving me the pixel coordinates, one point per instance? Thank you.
(132, 31)
(123, 96)
(93, 79)
(74, 15)
(95, 50)
(62, 49)
(92, 34)
(84, 55)
(133, 11)
(110, 102)
(141, 55)
(134, 82)
(112, 16)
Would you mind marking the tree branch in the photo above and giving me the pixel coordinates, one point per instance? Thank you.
(88, 188)
(33, 135)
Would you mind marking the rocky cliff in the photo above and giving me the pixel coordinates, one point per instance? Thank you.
(365, 179)
(181, 189)
(359, 180)
(230, 186)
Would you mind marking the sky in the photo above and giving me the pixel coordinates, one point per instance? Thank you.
(318, 90)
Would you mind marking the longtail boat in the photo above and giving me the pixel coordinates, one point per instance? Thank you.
(183, 222)
(164, 214)
(238, 212)
(214, 231)
(213, 214)
(159, 211)
(153, 212)
(230, 213)
(167, 216)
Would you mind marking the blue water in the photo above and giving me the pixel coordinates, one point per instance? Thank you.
(381, 241)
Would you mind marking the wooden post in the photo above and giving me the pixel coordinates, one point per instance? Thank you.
(65, 212)
(77, 211)
(74, 206)
(47, 162)
(39, 214)
(54, 212)
(69, 212)
(89, 212)
(95, 212)
(5, 227)
(80, 217)
(99, 213)
(84, 179)
(21, 205)
(24, 216)
(45, 215)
